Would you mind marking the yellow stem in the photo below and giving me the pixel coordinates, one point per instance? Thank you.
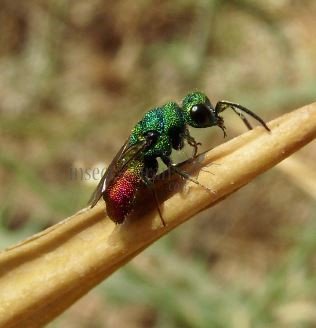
(44, 275)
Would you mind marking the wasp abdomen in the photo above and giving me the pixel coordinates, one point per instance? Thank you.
(120, 194)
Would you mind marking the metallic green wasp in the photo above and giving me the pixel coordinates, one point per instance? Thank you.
(161, 130)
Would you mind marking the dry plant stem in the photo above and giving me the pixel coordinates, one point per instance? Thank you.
(44, 275)
(301, 174)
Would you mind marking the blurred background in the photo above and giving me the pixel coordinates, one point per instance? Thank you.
(75, 76)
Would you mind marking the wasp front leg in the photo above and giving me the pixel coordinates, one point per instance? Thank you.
(192, 142)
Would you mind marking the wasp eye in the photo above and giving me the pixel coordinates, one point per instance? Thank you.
(201, 115)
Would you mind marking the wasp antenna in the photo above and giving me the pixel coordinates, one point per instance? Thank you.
(223, 104)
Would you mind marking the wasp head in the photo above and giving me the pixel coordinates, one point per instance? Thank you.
(200, 113)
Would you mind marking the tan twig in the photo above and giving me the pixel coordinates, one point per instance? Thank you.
(44, 275)
(301, 174)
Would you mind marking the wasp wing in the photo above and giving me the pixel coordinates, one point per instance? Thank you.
(125, 155)
(97, 194)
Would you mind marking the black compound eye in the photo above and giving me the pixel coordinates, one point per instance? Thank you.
(201, 115)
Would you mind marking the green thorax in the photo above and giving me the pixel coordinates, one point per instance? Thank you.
(167, 120)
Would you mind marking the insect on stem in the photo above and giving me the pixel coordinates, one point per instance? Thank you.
(160, 131)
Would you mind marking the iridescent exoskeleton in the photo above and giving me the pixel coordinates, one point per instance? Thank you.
(161, 130)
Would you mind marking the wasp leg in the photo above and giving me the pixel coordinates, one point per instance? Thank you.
(148, 175)
(173, 167)
(149, 184)
(191, 141)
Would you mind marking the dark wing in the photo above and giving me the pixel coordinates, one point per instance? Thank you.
(125, 155)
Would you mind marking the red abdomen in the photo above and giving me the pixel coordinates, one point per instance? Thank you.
(120, 194)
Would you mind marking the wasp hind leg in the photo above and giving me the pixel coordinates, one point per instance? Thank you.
(151, 167)
(150, 186)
